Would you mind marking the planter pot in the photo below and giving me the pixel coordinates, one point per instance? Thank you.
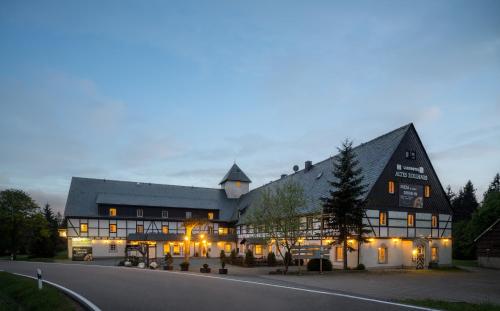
(141, 265)
(127, 264)
(203, 270)
(222, 271)
(184, 268)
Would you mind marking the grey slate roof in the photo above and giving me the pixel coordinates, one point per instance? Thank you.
(372, 156)
(235, 174)
(84, 193)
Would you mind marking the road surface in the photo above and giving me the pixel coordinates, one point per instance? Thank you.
(119, 288)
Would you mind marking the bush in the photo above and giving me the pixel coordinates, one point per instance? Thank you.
(271, 259)
(205, 265)
(232, 256)
(361, 267)
(313, 265)
(287, 261)
(169, 260)
(249, 259)
(184, 264)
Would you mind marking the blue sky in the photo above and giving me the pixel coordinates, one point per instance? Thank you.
(174, 92)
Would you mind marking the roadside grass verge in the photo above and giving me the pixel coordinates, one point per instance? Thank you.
(20, 293)
(465, 263)
(451, 306)
(59, 255)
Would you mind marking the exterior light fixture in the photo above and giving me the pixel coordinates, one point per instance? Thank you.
(202, 236)
(186, 238)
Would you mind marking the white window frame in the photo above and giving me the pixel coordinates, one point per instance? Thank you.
(164, 214)
(140, 212)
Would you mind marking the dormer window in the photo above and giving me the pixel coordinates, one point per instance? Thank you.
(210, 215)
(164, 214)
(112, 212)
(140, 212)
(189, 215)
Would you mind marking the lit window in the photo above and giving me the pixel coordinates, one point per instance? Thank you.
(222, 230)
(227, 248)
(383, 218)
(411, 220)
(210, 215)
(238, 184)
(427, 191)
(112, 228)
(391, 187)
(140, 212)
(339, 254)
(84, 228)
(382, 254)
(435, 221)
(434, 254)
(258, 249)
(164, 229)
(112, 247)
(189, 214)
(112, 212)
(269, 248)
(164, 214)
(177, 249)
(139, 228)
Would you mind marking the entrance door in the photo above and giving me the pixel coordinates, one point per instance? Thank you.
(152, 251)
(420, 257)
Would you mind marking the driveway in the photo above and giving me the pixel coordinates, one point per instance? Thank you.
(118, 288)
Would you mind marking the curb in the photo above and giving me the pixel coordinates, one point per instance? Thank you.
(87, 304)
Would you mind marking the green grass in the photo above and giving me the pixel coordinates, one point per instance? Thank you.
(452, 306)
(466, 263)
(21, 293)
(23, 257)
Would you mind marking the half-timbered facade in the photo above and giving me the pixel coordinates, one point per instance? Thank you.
(407, 212)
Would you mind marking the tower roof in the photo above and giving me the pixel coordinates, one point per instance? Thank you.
(235, 174)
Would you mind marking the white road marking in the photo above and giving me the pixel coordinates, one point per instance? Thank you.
(331, 293)
(68, 291)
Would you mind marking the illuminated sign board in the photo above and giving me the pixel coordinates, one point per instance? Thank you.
(405, 171)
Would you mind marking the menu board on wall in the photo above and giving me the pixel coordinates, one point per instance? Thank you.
(80, 252)
(411, 196)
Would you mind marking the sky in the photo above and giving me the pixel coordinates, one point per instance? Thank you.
(176, 91)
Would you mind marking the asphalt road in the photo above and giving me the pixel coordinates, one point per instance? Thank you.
(117, 288)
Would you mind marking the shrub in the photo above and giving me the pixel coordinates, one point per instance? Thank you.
(288, 259)
(249, 259)
(233, 256)
(169, 260)
(205, 265)
(313, 265)
(361, 267)
(271, 259)
(184, 264)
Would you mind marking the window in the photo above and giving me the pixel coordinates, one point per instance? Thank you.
(309, 222)
(112, 228)
(434, 254)
(189, 214)
(270, 248)
(210, 215)
(164, 229)
(139, 228)
(383, 218)
(382, 254)
(112, 247)
(227, 248)
(164, 214)
(238, 184)
(140, 212)
(177, 249)
(427, 191)
(112, 212)
(391, 187)
(410, 154)
(258, 249)
(435, 221)
(411, 220)
(222, 230)
(84, 228)
(339, 254)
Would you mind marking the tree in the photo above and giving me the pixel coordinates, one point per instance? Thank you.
(450, 194)
(344, 206)
(39, 242)
(189, 225)
(465, 203)
(16, 209)
(278, 215)
(494, 186)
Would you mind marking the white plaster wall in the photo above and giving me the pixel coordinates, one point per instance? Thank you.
(234, 192)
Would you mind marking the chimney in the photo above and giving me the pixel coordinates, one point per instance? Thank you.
(308, 165)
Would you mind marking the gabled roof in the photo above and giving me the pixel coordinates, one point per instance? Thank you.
(487, 230)
(86, 193)
(373, 157)
(235, 174)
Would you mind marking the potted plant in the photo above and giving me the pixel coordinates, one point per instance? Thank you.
(169, 260)
(184, 266)
(223, 262)
(205, 268)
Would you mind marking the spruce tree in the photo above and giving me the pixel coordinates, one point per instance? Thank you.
(344, 206)
(465, 203)
(450, 194)
(494, 186)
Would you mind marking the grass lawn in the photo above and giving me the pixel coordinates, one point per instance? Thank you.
(59, 255)
(20, 293)
(466, 263)
(452, 306)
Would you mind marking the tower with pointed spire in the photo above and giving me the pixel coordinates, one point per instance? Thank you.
(236, 183)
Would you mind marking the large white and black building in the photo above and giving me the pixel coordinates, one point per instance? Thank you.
(407, 211)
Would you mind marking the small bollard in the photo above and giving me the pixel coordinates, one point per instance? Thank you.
(39, 276)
